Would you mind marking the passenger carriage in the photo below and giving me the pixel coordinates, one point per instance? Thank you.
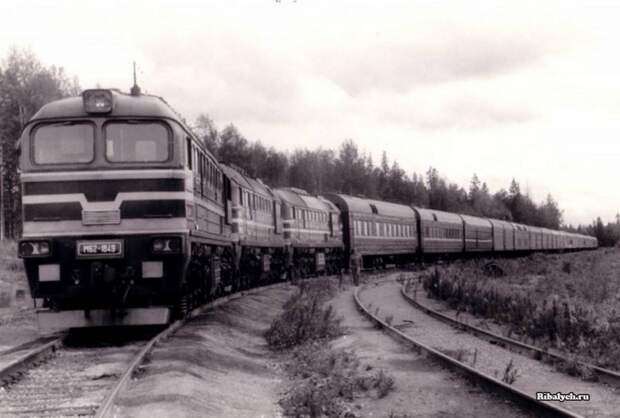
(503, 235)
(478, 234)
(382, 233)
(522, 237)
(440, 232)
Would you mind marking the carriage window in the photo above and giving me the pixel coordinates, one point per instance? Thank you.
(64, 143)
(141, 142)
(189, 152)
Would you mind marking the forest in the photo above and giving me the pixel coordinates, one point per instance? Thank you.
(26, 84)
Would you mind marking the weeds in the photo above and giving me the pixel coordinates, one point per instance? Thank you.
(304, 318)
(570, 305)
(324, 380)
(383, 383)
(510, 373)
(573, 367)
(460, 354)
(566, 267)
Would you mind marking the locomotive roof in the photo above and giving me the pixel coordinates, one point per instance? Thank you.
(301, 198)
(314, 202)
(476, 221)
(363, 205)
(290, 197)
(126, 105)
(235, 176)
(441, 216)
(246, 181)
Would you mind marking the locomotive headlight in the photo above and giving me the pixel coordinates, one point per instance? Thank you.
(34, 249)
(97, 101)
(170, 245)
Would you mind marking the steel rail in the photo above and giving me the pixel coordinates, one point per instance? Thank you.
(23, 361)
(604, 375)
(524, 399)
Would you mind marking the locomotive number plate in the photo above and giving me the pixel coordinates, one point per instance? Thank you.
(99, 249)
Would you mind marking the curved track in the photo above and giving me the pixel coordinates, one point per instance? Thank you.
(491, 383)
(603, 375)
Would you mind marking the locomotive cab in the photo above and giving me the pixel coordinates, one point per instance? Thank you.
(105, 209)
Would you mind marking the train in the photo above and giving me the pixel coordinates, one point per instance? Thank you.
(129, 220)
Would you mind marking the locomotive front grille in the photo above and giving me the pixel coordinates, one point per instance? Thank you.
(102, 217)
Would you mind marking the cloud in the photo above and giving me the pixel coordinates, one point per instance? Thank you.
(404, 59)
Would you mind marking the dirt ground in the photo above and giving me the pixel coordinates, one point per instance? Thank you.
(218, 365)
(422, 389)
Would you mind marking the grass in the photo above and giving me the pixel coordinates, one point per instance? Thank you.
(573, 367)
(324, 380)
(12, 273)
(566, 302)
(304, 317)
(510, 373)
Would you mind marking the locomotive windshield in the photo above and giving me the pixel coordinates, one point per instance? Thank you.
(64, 143)
(141, 142)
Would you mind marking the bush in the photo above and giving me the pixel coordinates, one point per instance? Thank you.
(325, 380)
(565, 302)
(304, 318)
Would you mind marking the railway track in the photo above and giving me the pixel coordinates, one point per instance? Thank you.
(394, 316)
(59, 378)
(601, 374)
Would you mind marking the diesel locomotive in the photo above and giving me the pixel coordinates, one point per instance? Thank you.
(129, 220)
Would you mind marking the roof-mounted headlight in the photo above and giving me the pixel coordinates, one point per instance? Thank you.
(97, 101)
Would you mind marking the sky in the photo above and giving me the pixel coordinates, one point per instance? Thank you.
(524, 90)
